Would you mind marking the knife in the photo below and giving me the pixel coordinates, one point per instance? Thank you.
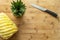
(45, 10)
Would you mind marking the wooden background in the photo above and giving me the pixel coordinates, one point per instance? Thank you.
(35, 24)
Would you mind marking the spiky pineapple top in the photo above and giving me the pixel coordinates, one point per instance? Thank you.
(18, 8)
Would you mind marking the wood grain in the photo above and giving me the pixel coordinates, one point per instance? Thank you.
(35, 24)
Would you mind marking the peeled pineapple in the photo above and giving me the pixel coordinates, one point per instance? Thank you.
(7, 27)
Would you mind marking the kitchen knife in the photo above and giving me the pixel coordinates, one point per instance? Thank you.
(45, 10)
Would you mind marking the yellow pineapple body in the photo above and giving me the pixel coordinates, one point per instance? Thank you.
(7, 27)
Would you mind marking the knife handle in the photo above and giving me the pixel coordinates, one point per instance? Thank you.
(51, 13)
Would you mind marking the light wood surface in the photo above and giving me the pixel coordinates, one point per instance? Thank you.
(35, 24)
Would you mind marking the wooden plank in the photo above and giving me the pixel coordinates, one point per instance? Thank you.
(35, 22)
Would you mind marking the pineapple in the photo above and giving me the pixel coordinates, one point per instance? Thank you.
(18, 8)
(7, 27)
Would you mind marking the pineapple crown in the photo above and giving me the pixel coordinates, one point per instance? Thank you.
(18, 8)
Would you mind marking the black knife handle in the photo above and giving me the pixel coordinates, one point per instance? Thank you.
(51, 13)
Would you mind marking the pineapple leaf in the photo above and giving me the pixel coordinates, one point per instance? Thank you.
(18, 8)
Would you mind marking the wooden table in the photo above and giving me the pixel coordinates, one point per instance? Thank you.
(35, 24)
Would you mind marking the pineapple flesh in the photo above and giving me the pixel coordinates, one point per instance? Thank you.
(7, 27)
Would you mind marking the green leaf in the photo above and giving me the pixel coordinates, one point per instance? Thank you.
(18, 8)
